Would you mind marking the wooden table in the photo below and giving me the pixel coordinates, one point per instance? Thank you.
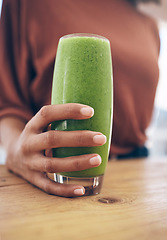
(132, 205)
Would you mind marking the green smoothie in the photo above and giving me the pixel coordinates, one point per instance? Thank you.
(83, 74)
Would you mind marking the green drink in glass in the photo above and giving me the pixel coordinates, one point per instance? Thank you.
(83, 74)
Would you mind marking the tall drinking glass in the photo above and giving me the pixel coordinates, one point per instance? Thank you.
(83, 74)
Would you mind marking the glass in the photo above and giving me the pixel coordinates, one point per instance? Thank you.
(83, 74)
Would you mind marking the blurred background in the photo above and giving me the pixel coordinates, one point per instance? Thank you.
(157, 131)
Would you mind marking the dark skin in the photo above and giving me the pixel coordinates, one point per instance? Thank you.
(27, 142)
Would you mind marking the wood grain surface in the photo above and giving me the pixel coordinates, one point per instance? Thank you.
(132, 205)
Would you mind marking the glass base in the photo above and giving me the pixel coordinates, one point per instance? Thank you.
(92, 185)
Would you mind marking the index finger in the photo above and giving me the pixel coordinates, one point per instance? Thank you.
(57, 112)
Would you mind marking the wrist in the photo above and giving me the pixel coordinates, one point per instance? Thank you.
(10, 130)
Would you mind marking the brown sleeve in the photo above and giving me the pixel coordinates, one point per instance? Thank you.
(154, 27)
(15, 67)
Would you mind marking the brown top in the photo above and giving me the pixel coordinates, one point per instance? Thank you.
(29, 34)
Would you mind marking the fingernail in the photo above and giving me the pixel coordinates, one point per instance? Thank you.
(79, 191)
(87, 111)
(95, 161)
(100, 139)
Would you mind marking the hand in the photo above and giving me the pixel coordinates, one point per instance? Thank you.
(26, 156)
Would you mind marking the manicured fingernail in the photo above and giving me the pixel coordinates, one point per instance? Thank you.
(95, 161)
(79, 191)
(100, 139)
(87, 111)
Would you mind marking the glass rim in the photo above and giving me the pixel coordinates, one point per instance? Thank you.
(89, 35)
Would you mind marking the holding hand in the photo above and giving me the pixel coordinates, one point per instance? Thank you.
(26, 155)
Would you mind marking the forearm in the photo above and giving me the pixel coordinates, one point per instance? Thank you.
(10, 130)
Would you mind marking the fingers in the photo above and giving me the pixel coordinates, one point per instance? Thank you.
(43, 182)
(34, 140)
(56, 139)
(55, 165)
(50, 113)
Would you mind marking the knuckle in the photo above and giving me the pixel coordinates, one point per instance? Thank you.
(80, 139)
(72, 108)
(46, 187)
(63, 190)
(47, 165)
(77, 165)
(50, 138)
(24, 148)
(69, 108)
(83, 137)
(27, 127)
(44, 111)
